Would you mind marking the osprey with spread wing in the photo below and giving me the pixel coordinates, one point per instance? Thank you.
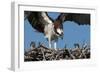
(53, 29)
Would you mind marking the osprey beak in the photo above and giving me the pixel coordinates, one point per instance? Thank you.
(61, 36)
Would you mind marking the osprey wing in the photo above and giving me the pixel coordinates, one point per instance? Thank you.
(79, 18)
(38, 20)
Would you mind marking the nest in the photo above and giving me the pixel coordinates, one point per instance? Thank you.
(42, 53)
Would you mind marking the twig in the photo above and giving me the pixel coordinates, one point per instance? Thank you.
(43, 55)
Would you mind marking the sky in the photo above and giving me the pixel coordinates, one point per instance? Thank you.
(73, 33)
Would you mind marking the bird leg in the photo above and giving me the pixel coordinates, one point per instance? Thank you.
(49, 39)
(55, 45)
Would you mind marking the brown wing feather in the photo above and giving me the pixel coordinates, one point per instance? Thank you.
(81, 19)
(36, 20)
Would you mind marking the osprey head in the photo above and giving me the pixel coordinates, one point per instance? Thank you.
(58, 28)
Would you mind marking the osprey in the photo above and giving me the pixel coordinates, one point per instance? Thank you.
(53, 29)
